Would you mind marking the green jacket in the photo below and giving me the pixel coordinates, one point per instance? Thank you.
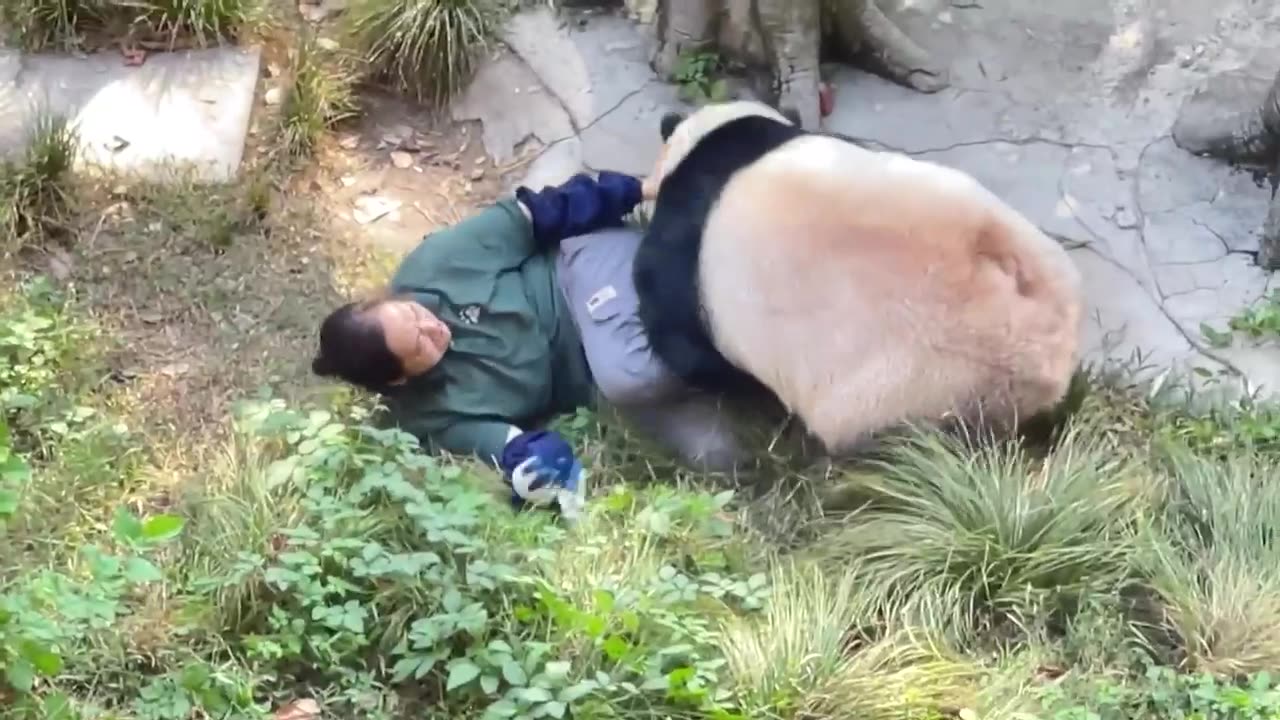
(515, 358)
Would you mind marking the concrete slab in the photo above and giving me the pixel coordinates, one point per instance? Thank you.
(592, 66)
(513, 107)
(555, 165)
(627, 139)
(191, 107)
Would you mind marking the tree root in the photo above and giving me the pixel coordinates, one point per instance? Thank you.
(788, 37)
(869, 38)
(1251, 137)
(682, 26)
(1269, 249)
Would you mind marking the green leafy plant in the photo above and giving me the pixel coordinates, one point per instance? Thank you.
(399, 555)
(698, 74)
(45, 614)
(1162, 692)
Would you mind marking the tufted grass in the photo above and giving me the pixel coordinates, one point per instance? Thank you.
(36, 188)
(320, 94)
(80, 24)
(426, 48)
(998, 528)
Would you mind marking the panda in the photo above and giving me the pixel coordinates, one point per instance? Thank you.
(865, 290)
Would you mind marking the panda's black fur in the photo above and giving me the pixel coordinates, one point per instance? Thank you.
(666, 263)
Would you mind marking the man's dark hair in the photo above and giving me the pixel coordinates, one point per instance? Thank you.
(354, 348)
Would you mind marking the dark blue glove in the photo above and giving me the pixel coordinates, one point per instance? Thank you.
(580, 205)
(540, 466)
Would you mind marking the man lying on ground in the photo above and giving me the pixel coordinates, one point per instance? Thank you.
(522, 312)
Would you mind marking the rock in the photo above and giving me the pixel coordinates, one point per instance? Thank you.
(401, 159)
(273, 95)
(369, 208)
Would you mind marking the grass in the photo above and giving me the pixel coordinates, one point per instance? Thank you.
(155, 24)
(35, 188)
(320, 95)
(993, 526)
(426, 48)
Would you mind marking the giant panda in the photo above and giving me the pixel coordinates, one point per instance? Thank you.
(863, 289)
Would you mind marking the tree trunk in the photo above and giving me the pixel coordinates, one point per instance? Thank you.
(861, 32)
(1269, 250)
(1251, 137)
(787, 38)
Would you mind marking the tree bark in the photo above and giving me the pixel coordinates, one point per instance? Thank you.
(787, 39)
(1269, 248)
(1251, 137)
(860, 31)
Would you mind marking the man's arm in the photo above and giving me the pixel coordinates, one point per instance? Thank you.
(482, 439)
(505, 233)
(578, 206)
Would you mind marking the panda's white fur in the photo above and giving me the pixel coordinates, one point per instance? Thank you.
(867, 288)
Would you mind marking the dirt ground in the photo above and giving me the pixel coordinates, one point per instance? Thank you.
(207, 293)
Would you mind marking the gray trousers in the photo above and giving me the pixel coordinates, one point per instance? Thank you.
(594, 273)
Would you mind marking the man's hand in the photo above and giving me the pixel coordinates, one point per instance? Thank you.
(649, 189)
(541, 469)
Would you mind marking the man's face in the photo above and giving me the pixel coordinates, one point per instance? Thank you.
(414, 334)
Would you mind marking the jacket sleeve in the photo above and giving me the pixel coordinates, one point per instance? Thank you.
(484, 440)
(579, 206)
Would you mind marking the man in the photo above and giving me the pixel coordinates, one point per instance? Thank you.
(517, 314)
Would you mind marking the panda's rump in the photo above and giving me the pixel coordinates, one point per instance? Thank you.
(820, 317)
(853, 280)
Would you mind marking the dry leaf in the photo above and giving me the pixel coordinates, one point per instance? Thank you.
(300, 709)
(369, 208)
(401, 159)
(173, 370)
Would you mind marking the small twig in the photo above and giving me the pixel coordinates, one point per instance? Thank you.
(430, 218)
(97, 229)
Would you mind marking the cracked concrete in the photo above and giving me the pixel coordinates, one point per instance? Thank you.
(1067, 110)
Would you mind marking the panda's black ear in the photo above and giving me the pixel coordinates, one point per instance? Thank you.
(791, 114)
(668, 124)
